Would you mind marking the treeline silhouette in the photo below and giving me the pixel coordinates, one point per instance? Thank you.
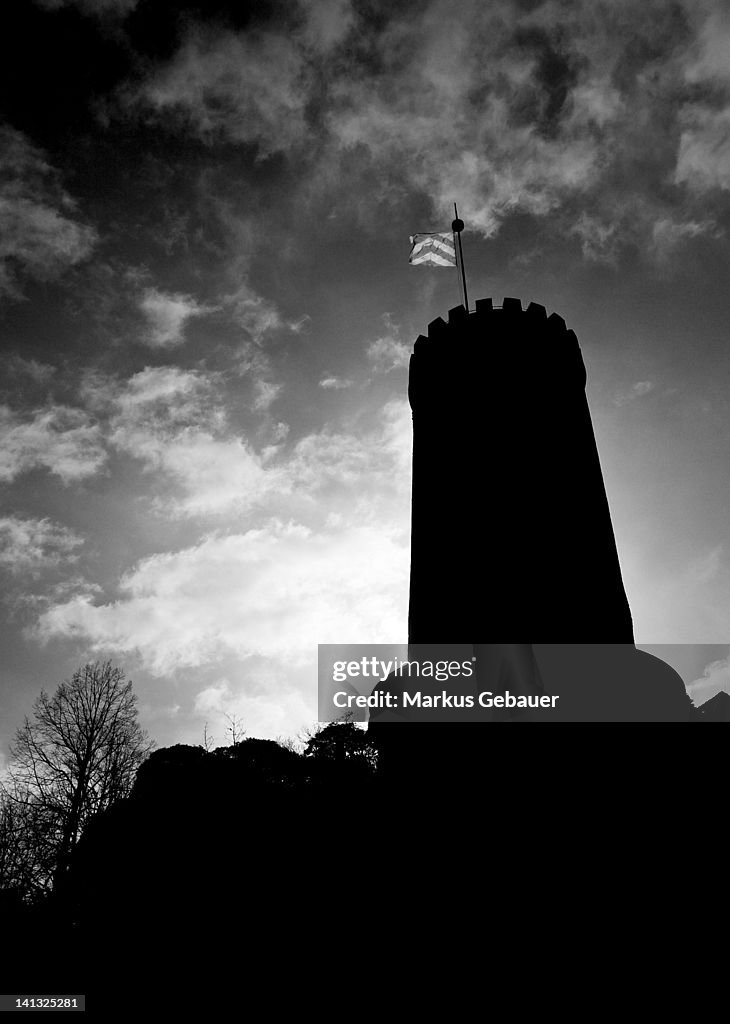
(262, 868)
(203, 842)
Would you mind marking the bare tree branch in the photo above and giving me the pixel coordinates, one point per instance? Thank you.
(76, 756)
(235, 728)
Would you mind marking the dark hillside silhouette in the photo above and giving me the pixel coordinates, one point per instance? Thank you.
(237, 851)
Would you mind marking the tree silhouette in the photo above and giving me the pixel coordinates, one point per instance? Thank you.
(77, 755)
(235, 729)
(26, 856)
(342, 745)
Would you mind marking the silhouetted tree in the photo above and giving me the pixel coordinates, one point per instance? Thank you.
(343, 745)
(77, 755)
(26, 858)
(235, 729)
(265, 760)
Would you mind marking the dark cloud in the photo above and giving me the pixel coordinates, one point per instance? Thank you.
(40, 231)
(99, 8)
(580, 111)
(609, 119)
(555, 74)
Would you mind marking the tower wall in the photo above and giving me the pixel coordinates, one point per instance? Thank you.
(511, 529)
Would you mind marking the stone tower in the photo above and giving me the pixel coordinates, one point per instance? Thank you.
(511, 529)
(511, 534)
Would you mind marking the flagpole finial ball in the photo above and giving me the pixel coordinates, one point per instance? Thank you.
(457, 225)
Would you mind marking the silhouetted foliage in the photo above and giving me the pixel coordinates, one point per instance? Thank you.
(76, 756)
(266, 759)
(344, 746)
(27, 849)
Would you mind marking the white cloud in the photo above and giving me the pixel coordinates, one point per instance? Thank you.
(339, 463)
(335, 383)
(278, 432)
(171, 420)
(276, 703)
(708, 57)
(703, 157)
(167, 315)
(216, 474)
(250, 87)
(600, 240)
(637, 390)
(637, 223)
(214, 698)
(328, 456)
(327, 24)
(167, 386)
(703, 160)
(39, 231)
(274, 592)
(253, 86)
(469, 110)
(324, 558)
(258, 316)
(388, 353)
(326, 562)
(266, 392)
(63, 440)
(715, 677)
(668, 234)
(39, 373)
(30, 545)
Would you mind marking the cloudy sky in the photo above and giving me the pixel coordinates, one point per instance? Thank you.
(206, 312)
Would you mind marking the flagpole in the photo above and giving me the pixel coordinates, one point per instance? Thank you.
(457, 226)
(456, 257)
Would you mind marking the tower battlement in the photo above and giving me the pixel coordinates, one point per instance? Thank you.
(493, 339)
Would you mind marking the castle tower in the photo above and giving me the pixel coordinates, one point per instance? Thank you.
(511, 534)
(511, 529)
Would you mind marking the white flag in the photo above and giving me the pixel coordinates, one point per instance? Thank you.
(433, 248)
